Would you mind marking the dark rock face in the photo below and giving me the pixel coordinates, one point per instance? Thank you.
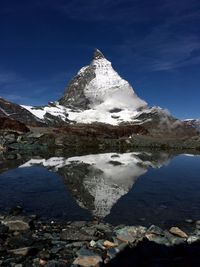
(98, 54)
(16, 112)
(10, 124)
(74, 93)
(55, 121)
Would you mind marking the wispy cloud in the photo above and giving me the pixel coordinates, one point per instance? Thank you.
(168, 45)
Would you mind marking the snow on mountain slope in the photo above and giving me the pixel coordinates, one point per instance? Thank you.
(97, 94)
(115, 117)
(40, 112)
(108, 90)
(99, 86)
(88, 115)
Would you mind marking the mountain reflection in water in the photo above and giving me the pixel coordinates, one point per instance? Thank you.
(151, 187)
(98, 181)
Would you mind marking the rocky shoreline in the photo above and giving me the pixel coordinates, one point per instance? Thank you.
(50, 139)
(26, 240)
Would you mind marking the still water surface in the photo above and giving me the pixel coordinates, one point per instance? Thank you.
(130, 188)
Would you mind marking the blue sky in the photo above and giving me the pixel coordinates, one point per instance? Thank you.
(154, 44)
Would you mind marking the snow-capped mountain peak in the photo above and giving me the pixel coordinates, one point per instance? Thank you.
(98, 93)
(99, 86)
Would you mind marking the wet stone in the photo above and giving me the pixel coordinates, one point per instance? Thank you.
(85, 252)
(17, 223)
(41, 262)
(192, 239)
(78, 224)
(75, 234)
(197, 232)
(99, 244)
(112, 252)
(161, 240)
(178, 232)
(174, 240)
(155, 230)
(131, 234)
(87, 261)
(21, 251)
(92, 243)
(109, 244)
(103, 227)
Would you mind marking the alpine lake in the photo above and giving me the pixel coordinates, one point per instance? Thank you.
(129, 187)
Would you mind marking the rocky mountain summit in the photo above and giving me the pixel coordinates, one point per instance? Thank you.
(96, 94)
(99, 86)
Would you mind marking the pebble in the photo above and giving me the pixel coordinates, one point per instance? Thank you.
(155, 230)
(92, 243)
(75, 234)
(173, 239)
(178, 232)
(63, 244)
(17, 223)
(20, 251)
(42, 262)
(88, 261)
(109, 244)
(192, 239)
(131, 234)
(161, 240)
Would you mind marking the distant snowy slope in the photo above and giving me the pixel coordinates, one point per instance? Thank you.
(195, 123)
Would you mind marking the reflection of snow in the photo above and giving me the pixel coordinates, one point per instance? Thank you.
(54, 162)
(118, 173)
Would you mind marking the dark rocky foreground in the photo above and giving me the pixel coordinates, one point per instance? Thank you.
(96, 136)
(28, 241)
